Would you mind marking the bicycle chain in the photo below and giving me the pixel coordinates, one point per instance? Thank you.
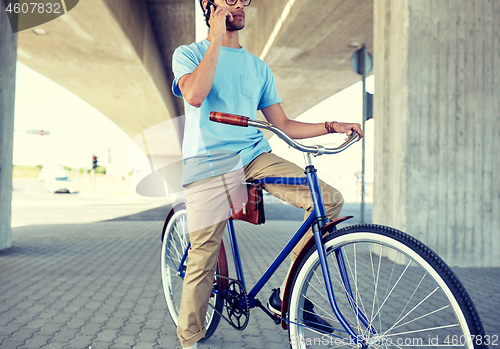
(231, 310)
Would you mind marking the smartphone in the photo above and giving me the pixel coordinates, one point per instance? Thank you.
(208, 11)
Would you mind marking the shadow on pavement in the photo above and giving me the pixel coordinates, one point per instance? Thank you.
(274, 211)
(154, 214)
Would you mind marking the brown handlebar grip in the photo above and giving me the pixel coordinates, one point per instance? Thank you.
(230, 119)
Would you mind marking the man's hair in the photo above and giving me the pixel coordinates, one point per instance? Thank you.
(205, 13)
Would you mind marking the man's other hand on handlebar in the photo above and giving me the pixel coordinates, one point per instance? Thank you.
(345, 127)
(300, 130)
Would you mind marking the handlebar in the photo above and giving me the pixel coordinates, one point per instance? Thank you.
(316, 150)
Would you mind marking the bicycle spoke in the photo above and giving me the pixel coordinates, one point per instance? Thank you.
(389, 283)
(358, 324)
(321, 283)
(179, 239)
(314, 288)
(172, 254)
(356, 285)
(173, 269)
(375, 294)
(399, 279)
(423, 316)
(411, 297)
(335, 277)
(321, 316)
(184, 231)
(176, 286)
(341, 283)
(422, 330)
(326, 297)
(415, 307)
(181, 233)
(316, 305)
(174, 245)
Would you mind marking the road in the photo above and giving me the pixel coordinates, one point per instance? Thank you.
(32, 205)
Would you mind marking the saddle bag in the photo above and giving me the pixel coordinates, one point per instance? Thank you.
(252, 209)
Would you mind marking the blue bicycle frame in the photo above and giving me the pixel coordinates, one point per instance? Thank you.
(317, 220)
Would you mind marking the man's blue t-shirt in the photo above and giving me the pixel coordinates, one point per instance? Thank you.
(243, 84)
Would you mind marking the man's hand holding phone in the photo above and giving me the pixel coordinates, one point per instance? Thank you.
(218, 15)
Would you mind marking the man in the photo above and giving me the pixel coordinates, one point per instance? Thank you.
(218, 74)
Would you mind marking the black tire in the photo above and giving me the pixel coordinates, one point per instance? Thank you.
(175, 241)
(407, 292)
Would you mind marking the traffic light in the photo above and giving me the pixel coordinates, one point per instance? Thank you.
(94, 162)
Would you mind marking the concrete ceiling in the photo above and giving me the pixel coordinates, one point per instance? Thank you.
(105, 51)
(115, 54)
(311, 55)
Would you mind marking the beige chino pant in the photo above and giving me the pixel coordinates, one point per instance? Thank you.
(208, 208)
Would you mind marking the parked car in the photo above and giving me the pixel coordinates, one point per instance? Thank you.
(56, 179)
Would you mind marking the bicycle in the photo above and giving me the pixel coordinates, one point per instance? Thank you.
(377, 286)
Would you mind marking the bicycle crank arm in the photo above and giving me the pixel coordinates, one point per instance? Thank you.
(276, 319)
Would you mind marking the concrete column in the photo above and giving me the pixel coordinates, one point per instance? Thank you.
(437, 117)
(8, 52)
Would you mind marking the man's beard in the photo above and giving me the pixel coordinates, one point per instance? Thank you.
(234, 26)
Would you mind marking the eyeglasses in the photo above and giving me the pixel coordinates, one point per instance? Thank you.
(233, 2)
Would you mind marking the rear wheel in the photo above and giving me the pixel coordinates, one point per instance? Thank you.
(175, 242)
(408, 295)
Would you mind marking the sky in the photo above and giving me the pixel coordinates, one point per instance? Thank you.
(337, 170)
(78, 131)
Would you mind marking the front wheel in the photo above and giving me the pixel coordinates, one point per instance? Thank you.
(175, 242)
(402, 294)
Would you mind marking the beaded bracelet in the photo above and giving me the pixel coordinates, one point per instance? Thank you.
(329, 126)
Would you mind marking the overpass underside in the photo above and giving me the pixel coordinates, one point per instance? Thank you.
(116, 54)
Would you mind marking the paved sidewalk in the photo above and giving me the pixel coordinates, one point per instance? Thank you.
(98, 285)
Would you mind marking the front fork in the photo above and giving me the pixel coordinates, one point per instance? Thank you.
(345, 280)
